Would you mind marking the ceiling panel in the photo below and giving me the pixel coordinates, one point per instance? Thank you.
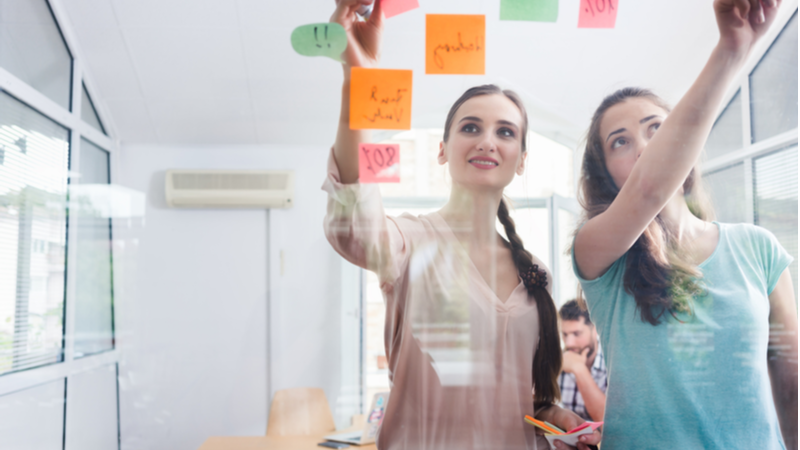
(225, 69)
(204, 14)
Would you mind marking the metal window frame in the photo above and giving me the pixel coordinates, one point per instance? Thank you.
(78, 129)
(750, 150)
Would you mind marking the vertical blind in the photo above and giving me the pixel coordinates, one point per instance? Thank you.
(775, 180)
(33, 194)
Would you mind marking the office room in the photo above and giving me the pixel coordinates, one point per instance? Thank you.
(410, 224)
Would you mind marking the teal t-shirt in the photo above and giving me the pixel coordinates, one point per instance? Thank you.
(697, 381)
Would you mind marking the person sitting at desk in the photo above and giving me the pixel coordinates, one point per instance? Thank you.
(584, 379)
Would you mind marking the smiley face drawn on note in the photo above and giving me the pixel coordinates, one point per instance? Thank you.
(320, 39)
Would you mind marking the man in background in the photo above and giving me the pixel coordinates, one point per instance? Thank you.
(583, 379)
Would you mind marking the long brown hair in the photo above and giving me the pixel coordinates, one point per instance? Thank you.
(657, 274)
(547, 359)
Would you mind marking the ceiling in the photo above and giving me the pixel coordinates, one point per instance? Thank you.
(224, 72)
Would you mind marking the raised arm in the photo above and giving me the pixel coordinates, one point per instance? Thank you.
(782, 360)
(363, 50)
(673, 151)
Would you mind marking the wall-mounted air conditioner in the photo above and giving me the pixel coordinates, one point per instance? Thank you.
(230, 188)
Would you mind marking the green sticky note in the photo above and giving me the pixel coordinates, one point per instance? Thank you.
(531, 10)
(320, 39)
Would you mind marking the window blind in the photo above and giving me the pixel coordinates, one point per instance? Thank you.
(727, 190)
(775, 180)
(33, 187)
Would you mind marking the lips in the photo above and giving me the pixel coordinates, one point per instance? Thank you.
(483, 163)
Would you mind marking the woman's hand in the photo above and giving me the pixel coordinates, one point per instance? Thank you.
(742, 22)
(567, 420)
(363, 37)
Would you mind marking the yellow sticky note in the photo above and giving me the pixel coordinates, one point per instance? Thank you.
(455, 44)
(380, 99)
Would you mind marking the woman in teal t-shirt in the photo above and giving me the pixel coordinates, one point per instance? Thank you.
(684, 306)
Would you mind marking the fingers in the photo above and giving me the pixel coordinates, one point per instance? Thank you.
(346, 9)
(743, 6)
(756, 12)
(376, 18)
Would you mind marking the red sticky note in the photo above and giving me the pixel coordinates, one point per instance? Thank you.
(598, 14)
(379, 163)
(392, 8)
(380, 99)
(455, 44)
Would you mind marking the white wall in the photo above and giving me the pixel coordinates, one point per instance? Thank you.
(192, 291)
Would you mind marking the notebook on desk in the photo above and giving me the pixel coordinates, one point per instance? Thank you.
(370, 431)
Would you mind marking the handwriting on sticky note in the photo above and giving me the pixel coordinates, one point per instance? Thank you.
(392, 8)
(455, 44)
(598, 14)
(531, 10)
(320, 39)
(380, 99)
(379, 163)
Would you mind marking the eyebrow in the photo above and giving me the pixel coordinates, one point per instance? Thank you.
(478, 119)
(646, 119)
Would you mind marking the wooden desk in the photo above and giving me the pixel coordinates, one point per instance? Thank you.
(272, 443)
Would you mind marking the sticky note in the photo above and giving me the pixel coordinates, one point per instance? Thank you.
(380, 99)
(379, 163)
(320, 39)
(455, 44)
(531, 10)
(392, 8)
(598, 14)
(569, 439)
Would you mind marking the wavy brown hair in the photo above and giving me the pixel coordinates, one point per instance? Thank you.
(657, 274)
(547, 359)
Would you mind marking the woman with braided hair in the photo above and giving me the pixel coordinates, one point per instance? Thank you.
(471, 335)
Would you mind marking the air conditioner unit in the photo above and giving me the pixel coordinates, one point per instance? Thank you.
(230, 188)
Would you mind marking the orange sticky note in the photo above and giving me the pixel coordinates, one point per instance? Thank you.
(455, 44)
(598, 14)
(379, 163)
(380, 99)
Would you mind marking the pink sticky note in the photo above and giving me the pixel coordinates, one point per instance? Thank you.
(392, 8)
(379, 163)
(598, 13)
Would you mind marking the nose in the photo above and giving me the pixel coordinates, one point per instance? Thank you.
(487, 145)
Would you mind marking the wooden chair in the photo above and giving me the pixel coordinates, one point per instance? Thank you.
(300, 412)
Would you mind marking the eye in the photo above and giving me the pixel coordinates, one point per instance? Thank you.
(654, 127)
(618, 142)
(469, 128)
(506, 132)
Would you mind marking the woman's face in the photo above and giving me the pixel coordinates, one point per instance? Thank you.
(625, 129)
(484, 149)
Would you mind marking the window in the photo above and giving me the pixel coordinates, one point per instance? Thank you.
(33, 232)
(88, 111)
(58, 363)
(754, 180)
(773, 86)
(33, 50)
(89, 198)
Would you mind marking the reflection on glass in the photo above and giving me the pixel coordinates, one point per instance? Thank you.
(727, 190)
(773, 87)
(33, 50)
(775, 180)
(88, 111)
(726, 136)
(93, 301)
(33, 187)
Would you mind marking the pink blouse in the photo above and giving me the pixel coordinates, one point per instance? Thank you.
(459, 358)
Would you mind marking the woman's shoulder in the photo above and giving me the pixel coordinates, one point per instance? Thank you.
(746, 233)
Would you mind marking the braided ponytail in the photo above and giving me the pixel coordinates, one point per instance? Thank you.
(547, 360)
